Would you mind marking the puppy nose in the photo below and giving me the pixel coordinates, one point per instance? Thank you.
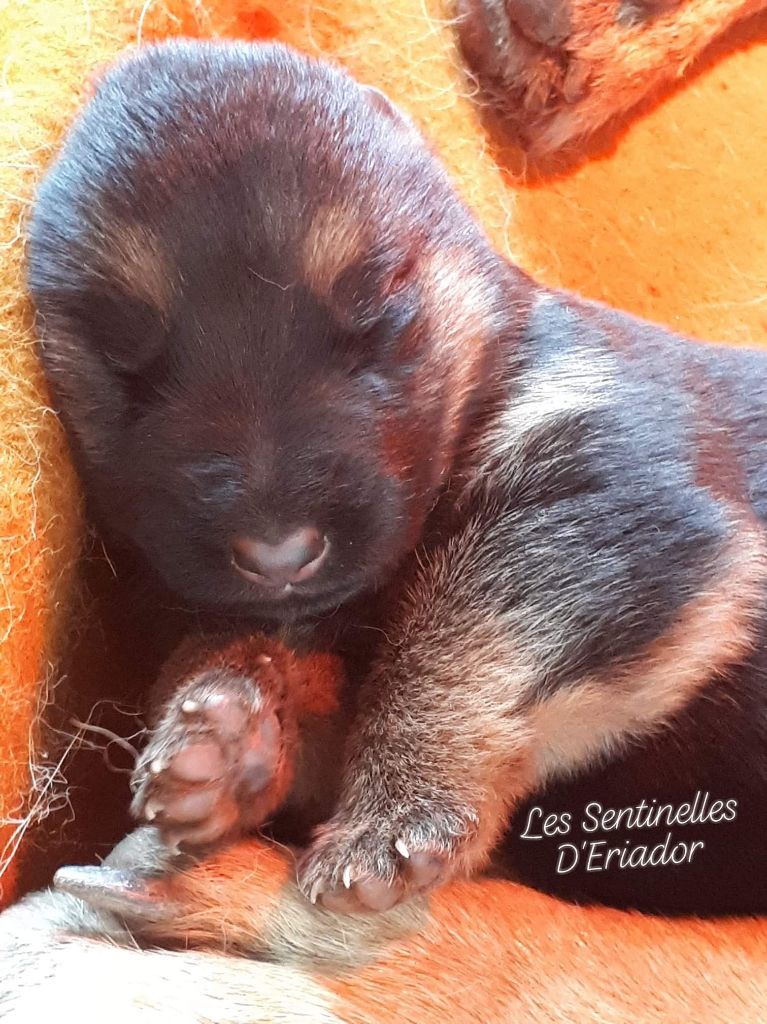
(293, 559)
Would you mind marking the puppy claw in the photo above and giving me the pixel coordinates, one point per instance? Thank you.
(315, 892)
(355, 867)
(151, 810)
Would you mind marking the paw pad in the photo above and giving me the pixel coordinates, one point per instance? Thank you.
(215, 766)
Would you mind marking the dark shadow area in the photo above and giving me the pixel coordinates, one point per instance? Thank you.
(122, 629)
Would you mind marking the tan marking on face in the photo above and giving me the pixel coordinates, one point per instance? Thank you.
(139, 264)
(459, 301)
(579, 725)
(335, 240)
(461, 308)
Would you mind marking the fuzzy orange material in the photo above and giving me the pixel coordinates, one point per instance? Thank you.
(39, 516)
(669, 224)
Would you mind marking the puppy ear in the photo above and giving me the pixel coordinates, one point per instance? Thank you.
(380, 102)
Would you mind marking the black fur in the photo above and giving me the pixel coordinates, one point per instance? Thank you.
(247, 405)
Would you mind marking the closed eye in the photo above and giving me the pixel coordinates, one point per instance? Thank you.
(217, 479)
(378, 346)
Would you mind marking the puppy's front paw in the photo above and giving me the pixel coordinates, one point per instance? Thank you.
(370, 864)
(217, 765)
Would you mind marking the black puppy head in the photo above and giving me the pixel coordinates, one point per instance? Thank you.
(262, 313)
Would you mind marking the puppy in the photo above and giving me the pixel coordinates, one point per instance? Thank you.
(300, 382)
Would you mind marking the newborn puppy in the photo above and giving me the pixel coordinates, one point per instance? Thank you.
(292, 370)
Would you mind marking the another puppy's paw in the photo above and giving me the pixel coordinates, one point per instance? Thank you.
(369, 865)
(218, 763)
(558, 70)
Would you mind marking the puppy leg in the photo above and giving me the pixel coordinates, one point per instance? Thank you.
(533, 644)
(557, 70)
(225, 749)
